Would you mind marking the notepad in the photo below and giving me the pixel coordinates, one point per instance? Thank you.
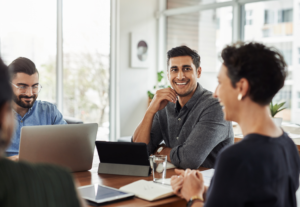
(148, 190)
(151, 191)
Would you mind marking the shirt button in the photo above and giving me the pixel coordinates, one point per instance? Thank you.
(21, 121)
(177, 137)
(179, 119)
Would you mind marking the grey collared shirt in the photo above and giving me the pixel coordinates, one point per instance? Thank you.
(196, 132)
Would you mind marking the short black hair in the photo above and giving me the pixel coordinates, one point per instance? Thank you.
(22, 65)
(184, 51)
(5, 86)
(264, 68)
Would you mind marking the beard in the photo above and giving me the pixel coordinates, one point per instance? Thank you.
(24, 104)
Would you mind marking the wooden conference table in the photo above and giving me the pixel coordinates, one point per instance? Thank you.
(117, 181)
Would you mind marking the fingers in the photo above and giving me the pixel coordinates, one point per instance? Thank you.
(199, 175)
(167, 92)
(173, 92)
(14, 158)
(176, 183)
(175, 180)
(187, 172)
(179, 172)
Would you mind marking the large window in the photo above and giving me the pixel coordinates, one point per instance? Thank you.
(210, 25)
(29, 29)
(86, 33)
(202, 31)
(273, 26)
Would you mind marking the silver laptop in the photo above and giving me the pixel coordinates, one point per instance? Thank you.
(71, 145)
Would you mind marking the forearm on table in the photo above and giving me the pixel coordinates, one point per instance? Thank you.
(142, 132)
(187, 157)
(166, 151)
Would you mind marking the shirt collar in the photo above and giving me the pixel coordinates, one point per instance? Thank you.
(193, 99)
(29, 110)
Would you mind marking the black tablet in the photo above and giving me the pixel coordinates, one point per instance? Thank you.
(123, 158)
(123, 153)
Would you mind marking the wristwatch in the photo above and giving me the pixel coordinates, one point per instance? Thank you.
(191, 201)
(160, 149)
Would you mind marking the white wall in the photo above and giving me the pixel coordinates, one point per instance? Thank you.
(209, 80)
(135, 16)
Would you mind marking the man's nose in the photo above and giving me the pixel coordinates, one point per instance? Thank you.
(29, 91)
(180, 75)
(215, 94)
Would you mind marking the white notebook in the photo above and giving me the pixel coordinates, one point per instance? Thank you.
(151, 191)
(148, 190)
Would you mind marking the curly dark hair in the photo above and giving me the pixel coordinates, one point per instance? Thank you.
(264, 68)
(184, 51)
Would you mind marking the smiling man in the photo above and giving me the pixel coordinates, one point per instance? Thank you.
(186, 117)
(28, 111)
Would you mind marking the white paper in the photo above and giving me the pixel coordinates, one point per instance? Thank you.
(148, 190)
(207, 176)
(294, 136)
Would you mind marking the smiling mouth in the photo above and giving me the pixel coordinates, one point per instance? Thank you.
(180, 84)
(27, 99)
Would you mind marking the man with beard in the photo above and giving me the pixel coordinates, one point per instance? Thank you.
(186, 117)
(28, 111)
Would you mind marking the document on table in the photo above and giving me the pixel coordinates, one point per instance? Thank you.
(148, 190)
(294, 136)
(207, 176)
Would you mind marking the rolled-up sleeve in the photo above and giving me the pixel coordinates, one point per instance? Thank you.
(208, 132)
(155, 135)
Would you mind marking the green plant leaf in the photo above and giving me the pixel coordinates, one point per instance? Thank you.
(160, 76)
(280, 110)
(150, 95)
(281, 105)
(275, 108)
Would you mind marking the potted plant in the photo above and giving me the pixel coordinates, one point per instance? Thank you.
(160, 84)
(274, 109)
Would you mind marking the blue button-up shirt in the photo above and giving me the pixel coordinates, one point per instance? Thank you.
(41, 113)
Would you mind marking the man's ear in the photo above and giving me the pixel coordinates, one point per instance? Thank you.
(243, 86)
(199, 71)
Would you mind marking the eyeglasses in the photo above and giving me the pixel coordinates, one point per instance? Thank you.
(23, 89)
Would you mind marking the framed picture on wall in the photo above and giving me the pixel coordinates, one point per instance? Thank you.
(139, 50)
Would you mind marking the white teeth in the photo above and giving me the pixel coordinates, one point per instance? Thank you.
(180, 83)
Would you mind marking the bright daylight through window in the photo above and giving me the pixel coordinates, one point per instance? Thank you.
(274, 23)
(31, 32)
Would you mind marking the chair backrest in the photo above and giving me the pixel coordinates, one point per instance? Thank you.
(71, 120)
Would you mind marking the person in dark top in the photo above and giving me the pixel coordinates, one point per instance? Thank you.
(186, 117)
(262, 169)
(24, 184)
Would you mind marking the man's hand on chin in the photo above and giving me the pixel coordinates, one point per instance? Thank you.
(14, 158)
(161, 99)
